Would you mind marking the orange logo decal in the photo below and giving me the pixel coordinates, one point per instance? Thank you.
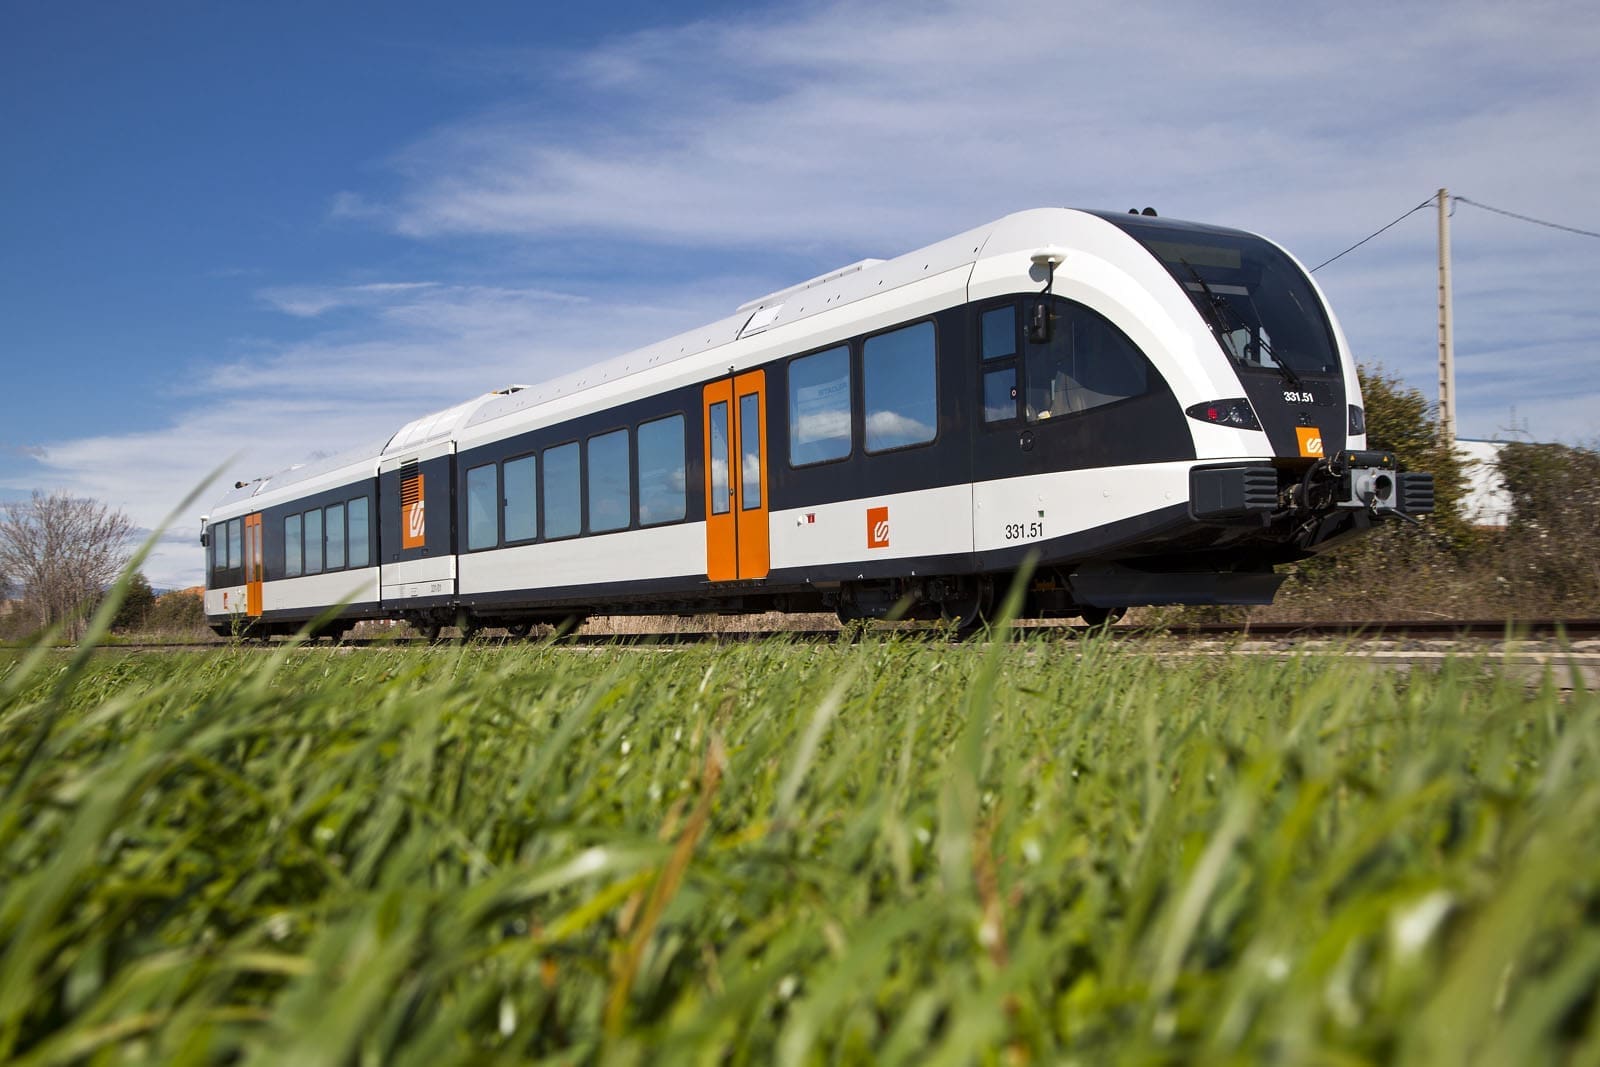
(414, 518)
(1310, 440)
(878, 527)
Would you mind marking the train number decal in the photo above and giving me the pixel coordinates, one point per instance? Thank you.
(1024, 531)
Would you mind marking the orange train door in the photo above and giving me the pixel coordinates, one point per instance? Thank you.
(253, 569)
(735, 412)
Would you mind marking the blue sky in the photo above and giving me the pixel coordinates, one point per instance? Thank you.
(253, 233)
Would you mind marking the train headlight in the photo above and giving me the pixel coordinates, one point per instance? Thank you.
(1234, 411)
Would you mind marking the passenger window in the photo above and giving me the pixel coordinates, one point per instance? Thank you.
(334, 517)
(483, 507)
(314, 542)
(663, 474)
(360, 535)
(235, 543)
(291, 546)
(1086, 364)
(610, 482)
(900, 383)
(563, 512)
(522, 499)
(819, 407)
(1000, 332)
(219, 548)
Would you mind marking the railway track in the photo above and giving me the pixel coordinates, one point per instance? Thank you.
(1286, 634)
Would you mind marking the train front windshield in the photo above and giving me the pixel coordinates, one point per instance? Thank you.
(1256, 301)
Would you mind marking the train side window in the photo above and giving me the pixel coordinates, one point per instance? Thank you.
(610, 482)
(521, 493)
(219, 548)
(292, 551)
(997, 350)
(663, 472)
(314, 541)
(563, 512)
(819, 407)
(1000, 332)
(333, 522)
(483, 507)
(900, 382)
(360, 533)
(1087, 363)
(235, 543)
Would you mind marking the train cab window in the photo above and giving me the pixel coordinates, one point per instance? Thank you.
(235, 543)
(663, 472)
(1087, 363)
(360, 533)
(563, 511)
(483, 507)
(900, 383)
(219, 548)
(333, 516)
(314, 541)
(1000, 332)
(292, 551)
(610, 482)
(819, 407)
(521, 494)
(997, 337)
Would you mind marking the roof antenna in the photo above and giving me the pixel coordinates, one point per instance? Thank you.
(1149, 211)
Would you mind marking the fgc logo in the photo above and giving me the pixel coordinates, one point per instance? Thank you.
(878, 527)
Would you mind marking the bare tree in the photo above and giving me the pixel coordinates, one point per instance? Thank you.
(62, 551)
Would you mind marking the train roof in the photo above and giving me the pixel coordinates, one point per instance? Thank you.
(1023, 231)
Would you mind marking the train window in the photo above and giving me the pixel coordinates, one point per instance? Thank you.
(483, 507)
(235, 543)
(563, 513)
(610, 482)
(1087, 363)
(219, 548)
(1000, 394)
(360, 534)
(292, 560)
(663, 473)
(1000, 332)
(900, 383)
(819, 407)
(720, 491)
(314, 541)
(333, 516)
(521, 492)
(750, 435)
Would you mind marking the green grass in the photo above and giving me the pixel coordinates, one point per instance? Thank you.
(892, 852)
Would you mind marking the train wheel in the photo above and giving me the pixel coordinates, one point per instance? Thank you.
(967, 614)
(430, 631)
(520, 630)
(1101, 616)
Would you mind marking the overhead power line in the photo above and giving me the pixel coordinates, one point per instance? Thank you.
(1375, 233)
(1524, 218)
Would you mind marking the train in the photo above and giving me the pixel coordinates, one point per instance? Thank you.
(1128, 409)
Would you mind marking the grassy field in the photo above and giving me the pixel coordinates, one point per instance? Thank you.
(892, 851)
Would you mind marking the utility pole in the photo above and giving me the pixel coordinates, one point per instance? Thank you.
(1447, 357)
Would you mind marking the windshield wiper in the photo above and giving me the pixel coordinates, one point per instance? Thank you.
(1217, 306)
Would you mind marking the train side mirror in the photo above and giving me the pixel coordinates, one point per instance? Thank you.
(1039, 324)
(205, 540)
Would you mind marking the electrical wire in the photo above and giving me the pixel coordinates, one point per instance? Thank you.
(1524, 218)
(1375, 233)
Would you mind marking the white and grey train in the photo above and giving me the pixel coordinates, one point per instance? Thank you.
(1155, 411)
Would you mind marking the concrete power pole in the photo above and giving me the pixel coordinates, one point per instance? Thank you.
(1447, 356)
